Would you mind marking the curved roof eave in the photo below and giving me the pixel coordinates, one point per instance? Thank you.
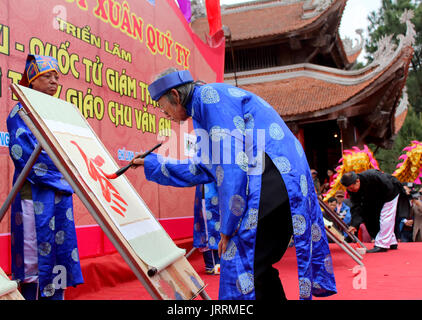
(305, 90)
(254, 20)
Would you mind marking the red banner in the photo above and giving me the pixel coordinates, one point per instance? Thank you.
(108, 52)
(214, 15)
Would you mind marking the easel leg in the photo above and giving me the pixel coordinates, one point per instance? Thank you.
(352, 250)
(205, 295)
(332, 237)
(20, 181)
(88, 205)
(190, 253)
(339, 222)
(358, 241)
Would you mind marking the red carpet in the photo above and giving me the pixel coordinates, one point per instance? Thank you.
(393, 275)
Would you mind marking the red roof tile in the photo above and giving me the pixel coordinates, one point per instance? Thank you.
(304, 94)
(352, 58)
(259, 22)
(311, 90)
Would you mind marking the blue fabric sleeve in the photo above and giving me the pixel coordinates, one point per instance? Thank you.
(21, 145)
(348, 217)
(171, 172)
(227, 151)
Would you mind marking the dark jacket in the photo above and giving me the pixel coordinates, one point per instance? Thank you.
(417, 222)
(403, 212)
(376, 188)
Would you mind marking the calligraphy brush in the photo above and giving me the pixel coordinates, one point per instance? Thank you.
(124, 169)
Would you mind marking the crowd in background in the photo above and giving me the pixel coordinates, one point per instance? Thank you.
(408, 226)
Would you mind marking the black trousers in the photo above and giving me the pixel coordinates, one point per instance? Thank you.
(273, 235)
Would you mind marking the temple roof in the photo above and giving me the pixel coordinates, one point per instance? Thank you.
(284, 20)
(307, 93)
(401, 112)
(272, 18)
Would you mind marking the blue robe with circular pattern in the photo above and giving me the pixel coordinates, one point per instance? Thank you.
(53, 208)
(234, 129)
(206, 232)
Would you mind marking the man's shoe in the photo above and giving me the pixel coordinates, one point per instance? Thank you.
(214, 271)
(376, 249)
(394, 247)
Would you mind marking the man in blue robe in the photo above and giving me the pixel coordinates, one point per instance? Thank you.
(265, 187)
(206, 225)
(45, 256)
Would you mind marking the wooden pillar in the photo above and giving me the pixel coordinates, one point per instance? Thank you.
(301, 137)
(298, 132)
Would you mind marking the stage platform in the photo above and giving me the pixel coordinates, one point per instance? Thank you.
(392, 275)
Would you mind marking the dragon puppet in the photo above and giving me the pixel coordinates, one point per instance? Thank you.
(410, 170)
(353, 160)
(357, 160)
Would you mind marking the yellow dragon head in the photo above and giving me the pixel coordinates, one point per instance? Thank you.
(410, 170)
(353, 160)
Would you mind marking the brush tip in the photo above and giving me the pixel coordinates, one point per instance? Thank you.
(111, 176)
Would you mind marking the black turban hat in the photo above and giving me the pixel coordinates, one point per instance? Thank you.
(349, 178)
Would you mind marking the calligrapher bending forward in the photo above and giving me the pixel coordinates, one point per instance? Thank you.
(265, 189)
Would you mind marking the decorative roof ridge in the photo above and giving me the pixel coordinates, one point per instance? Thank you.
(349, 47)
(328, 74)
(404, 103)
(348, 59)
(311, 8)
(305, 65)
(253, 5)
(407, 40)
(387, 50)
(386, 54)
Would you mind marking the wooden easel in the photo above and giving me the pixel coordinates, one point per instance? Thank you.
(177, 278)
(337, 237)
(12, 294)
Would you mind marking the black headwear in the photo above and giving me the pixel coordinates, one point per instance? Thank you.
(349, 178)
(160, 86)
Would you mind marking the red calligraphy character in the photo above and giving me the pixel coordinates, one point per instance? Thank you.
(110, 193)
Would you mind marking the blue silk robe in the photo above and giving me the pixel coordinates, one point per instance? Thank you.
(206, 229)
(53, 206)
(234, 129)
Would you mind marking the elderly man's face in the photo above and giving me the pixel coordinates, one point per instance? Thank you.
(46, 83)
(173, 109)
(354, 187)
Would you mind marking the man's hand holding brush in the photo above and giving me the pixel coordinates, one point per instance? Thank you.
(139, 159)
(136, 162)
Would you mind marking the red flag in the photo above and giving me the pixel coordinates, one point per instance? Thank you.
(185, 7)
(214, 15)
